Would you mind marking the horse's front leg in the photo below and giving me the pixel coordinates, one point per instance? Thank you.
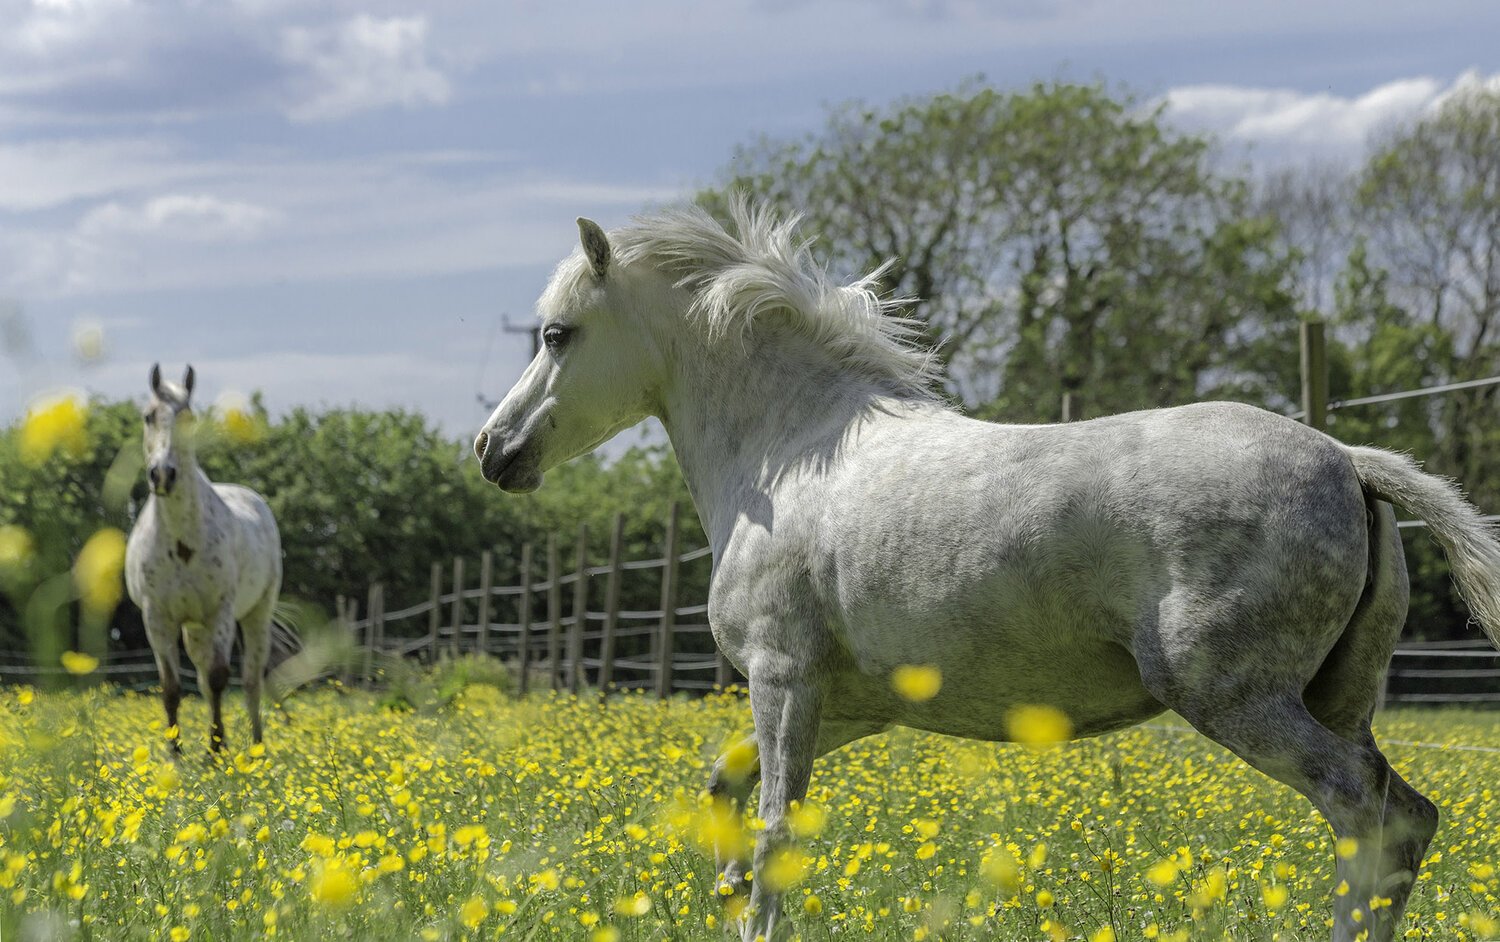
(162, 636)
(787, 706)
(734, 776)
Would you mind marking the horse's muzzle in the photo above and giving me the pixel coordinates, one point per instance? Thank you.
(163, 478)
(504, 464)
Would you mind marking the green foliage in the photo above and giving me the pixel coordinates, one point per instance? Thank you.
(360, 497)
(1056, 240)
(408, 686)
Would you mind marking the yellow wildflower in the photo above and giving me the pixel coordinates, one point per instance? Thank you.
(917, 682)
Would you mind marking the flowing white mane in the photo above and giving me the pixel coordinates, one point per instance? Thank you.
(767, 268)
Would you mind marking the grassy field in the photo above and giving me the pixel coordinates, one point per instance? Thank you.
(559, 818)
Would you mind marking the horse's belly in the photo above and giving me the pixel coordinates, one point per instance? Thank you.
(1096, 684)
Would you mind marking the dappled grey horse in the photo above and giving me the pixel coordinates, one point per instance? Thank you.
(1215, 559)
(201, 559)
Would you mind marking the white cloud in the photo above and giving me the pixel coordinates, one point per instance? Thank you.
(179, 223)
(44, 174)
(192, 217)
(361, 64)
(1283, 124)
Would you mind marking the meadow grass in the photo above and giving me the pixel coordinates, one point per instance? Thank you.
(564, 818)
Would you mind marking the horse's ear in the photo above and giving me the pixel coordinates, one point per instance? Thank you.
(156, 378)
(188, 379)
(595, 245)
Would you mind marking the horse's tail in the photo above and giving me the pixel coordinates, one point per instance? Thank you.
(1471, 544)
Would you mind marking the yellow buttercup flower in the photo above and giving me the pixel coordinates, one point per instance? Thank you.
(334, 885)
(637, 905)
(77, 663)
(55, 423)
(97, 571)
(237, 420)
(1038, 725)
(474, 911)
(917, 682)
(16, 548)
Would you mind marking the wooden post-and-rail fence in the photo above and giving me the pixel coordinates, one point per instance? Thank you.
(570, 647)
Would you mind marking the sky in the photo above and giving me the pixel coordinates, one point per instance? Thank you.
(344, 203)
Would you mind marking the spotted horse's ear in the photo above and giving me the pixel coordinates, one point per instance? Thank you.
(595, 245)
(188, 379)
(156, 379)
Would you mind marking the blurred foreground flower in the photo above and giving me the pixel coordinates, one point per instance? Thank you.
(97, 571)
(1038, 725)
(79, 664)
(88, 340)
(16, 548)
(917, 682)
(237, 420)
(53, 423)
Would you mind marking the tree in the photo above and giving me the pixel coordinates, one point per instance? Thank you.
(1429, 201)
(359, 497)
(1060, 240)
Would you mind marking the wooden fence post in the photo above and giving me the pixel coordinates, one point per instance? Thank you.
(523, 649)
(379, 617)
(723, 671)
(341, 623)
(372, 605)
(1067, 407)
(436, 614)
(554, 613)
(580, 613)
(668, 608)
(611, 607)
(1314, 375)
(350, 665)
(458, 604)
(486, 583)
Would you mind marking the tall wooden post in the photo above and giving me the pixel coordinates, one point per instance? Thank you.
(523, 643)
(436, 614)
(1067, 407)
(668, 609)
(486, 584)
(723, 671)
(554, 613)
(1314, 375)
(341, 623)
(611, 606)
(458, 605)
(379, 617)
(580, 612)
(372, 605)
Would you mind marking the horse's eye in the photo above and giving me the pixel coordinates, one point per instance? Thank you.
(149, 417)
(556, 336)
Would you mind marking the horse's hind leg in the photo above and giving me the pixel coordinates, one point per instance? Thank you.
(1345, 780)
(1343, 694)
(256, 629)
(209, 648)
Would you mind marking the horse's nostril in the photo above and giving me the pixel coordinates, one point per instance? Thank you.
(481, 444)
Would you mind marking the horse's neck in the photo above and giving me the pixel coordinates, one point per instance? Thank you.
(184, 509)
(743, 421)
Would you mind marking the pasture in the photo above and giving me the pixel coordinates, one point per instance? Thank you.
(557, 817)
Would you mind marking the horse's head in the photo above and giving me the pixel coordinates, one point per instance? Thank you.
(596, 372)
(169, 430)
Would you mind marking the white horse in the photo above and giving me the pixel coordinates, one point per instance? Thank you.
(202, 557)
(1215, 559)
